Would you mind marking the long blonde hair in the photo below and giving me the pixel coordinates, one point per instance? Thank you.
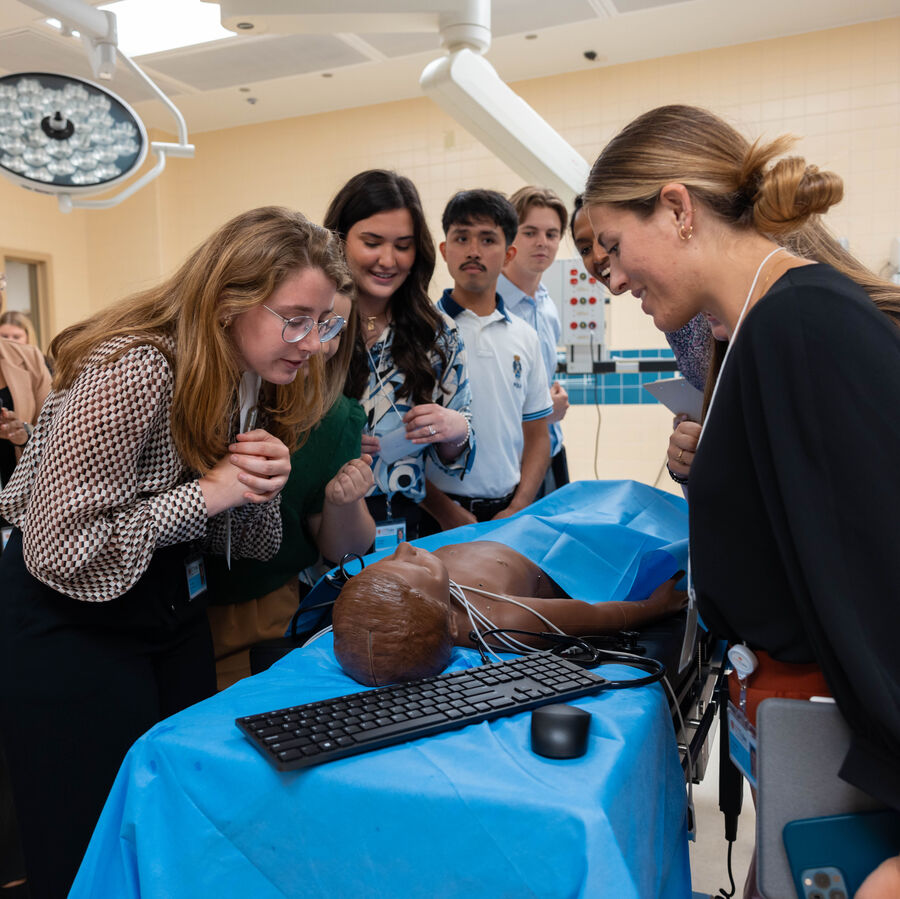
(740, 182)
(235, 269)
(20, 320)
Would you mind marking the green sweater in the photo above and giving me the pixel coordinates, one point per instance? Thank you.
(334, 441)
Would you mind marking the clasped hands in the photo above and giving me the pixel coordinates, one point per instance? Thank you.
(254, 471)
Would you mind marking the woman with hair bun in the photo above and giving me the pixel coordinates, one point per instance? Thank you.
(794, 488)
(408, 368)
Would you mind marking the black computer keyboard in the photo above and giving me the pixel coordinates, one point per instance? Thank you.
(317, 732)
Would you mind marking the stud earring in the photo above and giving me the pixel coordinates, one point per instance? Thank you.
(686, 235)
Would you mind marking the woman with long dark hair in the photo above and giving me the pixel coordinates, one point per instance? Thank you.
(408, 366)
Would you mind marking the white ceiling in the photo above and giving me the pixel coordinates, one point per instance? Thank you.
(293, 75)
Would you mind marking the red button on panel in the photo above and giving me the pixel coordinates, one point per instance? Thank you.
(592, 300)
(573, 281)
(574, 326)
(592, 325)
(574, 301)
(592, 280)
(573, 271)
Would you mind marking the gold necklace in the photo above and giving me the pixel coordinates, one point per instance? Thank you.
(370, 321)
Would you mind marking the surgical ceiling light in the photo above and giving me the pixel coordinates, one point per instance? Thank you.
(69, 137)
(66, 133)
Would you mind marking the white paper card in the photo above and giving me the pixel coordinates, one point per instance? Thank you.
(678, 395)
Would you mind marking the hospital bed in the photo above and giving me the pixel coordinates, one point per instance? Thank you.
(195, 810)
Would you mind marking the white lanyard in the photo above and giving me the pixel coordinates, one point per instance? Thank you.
(248, 397)
(381, 385)
(687, 647)
(731, 341)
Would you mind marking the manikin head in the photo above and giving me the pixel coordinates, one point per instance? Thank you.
(393, 622)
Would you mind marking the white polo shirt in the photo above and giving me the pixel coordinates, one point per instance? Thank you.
(540, 312)
(509, 386)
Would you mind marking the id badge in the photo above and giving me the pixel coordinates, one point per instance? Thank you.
(742, 743)
(195, 571)
(389, 534)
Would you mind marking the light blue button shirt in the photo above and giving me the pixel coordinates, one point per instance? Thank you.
(540, 312)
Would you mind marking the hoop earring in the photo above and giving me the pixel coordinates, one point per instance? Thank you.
(686, 235)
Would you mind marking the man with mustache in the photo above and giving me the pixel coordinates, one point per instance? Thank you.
(510, 397)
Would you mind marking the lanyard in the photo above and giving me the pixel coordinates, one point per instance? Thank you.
(248, 397)
(687, 646)
(387, 395)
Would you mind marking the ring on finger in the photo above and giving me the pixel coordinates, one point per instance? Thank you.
(680, 456)
(431, 430)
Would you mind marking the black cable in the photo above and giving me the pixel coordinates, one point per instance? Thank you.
(596, 656)
(722, 894)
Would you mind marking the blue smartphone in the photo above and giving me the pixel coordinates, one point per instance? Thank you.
(831, 856)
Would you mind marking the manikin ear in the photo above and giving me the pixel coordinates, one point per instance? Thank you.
(675, 201)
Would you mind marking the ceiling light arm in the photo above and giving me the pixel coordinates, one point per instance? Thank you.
(161, 149)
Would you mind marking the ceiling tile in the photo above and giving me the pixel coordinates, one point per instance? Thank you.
(252, 59)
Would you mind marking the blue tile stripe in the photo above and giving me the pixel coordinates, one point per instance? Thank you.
(617, 388)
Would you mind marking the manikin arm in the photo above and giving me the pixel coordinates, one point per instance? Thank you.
(578, 618)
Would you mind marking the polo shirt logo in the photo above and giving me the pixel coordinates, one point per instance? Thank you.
(517, 372)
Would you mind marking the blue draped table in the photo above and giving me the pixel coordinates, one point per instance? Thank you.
(196, 812)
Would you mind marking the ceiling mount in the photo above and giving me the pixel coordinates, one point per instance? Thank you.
(463, 83)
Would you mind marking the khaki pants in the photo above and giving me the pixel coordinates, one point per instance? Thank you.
(235, 628)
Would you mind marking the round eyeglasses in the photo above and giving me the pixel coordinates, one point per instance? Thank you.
(294, 330)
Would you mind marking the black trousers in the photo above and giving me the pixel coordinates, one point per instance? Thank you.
(557, 474)
(79, 683)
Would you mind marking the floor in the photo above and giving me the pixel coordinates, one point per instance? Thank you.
(709, 872)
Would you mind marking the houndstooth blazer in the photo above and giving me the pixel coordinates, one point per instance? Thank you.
(101, 486)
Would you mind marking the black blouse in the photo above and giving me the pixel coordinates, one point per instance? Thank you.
(795, 494)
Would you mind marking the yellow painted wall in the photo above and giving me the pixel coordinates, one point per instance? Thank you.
(839, 90)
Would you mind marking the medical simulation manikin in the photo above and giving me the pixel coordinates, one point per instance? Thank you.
(399, 618)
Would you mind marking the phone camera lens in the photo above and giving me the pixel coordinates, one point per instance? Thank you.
(837, 894)
(821, 879)
(815, 894)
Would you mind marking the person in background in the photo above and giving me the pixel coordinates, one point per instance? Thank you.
(593, 257)
(691, 344)
(542, 220)
(143, 455)
(17, 326)
(24, 385)
(510, 397)
(323, 514)
(408, 367)
(696, 219)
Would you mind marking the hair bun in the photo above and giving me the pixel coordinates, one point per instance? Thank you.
(791, 191)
